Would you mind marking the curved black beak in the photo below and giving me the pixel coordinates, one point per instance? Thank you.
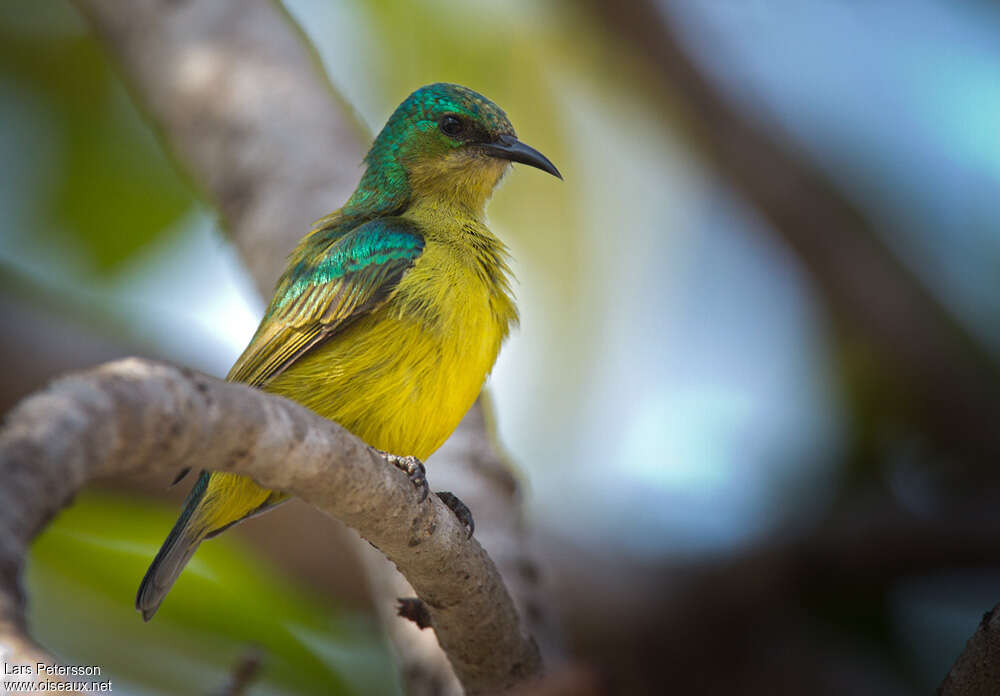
(510, 148)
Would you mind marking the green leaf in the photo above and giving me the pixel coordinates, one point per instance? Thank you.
(82, 575)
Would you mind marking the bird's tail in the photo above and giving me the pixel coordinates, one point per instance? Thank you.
(218, 501)
(176, 551)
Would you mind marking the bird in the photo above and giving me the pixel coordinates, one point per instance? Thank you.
(391, 311)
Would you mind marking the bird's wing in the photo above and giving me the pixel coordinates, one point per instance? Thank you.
(317, 297)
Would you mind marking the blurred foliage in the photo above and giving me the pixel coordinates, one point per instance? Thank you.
(113, 190)
(228, 602)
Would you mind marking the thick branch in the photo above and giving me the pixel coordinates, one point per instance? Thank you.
(134, 415)
(976, 672)
(470, 466)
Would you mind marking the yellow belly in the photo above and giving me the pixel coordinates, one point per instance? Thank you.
(402, 378)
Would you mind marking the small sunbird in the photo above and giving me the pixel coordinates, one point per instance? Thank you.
(391, 311)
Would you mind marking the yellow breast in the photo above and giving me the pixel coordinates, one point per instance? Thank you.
(402, 378)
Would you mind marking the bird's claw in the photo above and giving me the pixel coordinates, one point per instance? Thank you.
(414, 470)
(414, 609)
(461, 510)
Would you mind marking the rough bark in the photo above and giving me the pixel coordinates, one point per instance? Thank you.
(134, 415)
(469, 465)
(976, 672)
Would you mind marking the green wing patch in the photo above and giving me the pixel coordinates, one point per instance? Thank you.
(323, 291)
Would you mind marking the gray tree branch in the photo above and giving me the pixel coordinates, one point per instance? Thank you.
(243, 102)
(134, 415)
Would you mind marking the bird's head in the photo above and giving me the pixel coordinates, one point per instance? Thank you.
(447, 142)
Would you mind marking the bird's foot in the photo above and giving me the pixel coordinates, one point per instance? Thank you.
(414, 609)
(414, 469)
(461, 510)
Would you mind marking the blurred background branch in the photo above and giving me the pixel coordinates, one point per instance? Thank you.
(950, 383)
(244, 672)
(247, 111)
(746, 610)
(947, 382)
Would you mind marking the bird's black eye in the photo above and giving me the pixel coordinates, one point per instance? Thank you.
(451, 126)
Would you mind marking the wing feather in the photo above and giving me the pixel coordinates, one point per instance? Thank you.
(319, 296)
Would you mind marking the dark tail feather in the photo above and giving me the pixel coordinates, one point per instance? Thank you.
(170, 560)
